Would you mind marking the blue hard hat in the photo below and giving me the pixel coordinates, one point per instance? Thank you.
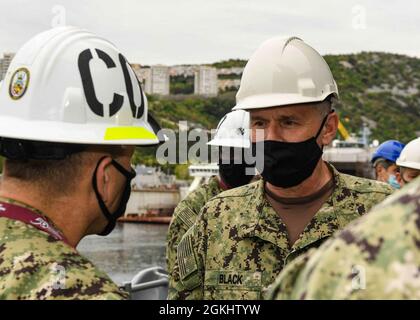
(389, 150)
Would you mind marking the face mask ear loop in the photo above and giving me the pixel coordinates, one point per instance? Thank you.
(129, 174)
(101, 203)
(322, 125)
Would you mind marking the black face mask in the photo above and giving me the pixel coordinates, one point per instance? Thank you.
(235, 174)
(287, 164)
(112, 217)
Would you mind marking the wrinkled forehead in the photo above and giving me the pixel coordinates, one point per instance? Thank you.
(308, 110)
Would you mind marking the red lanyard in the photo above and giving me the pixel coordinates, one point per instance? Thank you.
(223, 185)
(27, 216)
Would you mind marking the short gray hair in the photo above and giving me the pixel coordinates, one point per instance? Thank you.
(327, 105)
(50, 175)
(56, 176)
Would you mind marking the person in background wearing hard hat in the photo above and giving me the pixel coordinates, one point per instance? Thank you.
(383, 161)
(409, 162)
(71, 114)
(244, 237)
(375, 257)
(233, 134)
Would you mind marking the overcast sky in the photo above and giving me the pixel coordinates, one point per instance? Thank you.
(197, 31)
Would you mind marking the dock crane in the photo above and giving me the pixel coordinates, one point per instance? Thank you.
(343, 131)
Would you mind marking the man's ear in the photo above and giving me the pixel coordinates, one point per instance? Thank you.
(399, 179)
(103, 178)
(330, 129)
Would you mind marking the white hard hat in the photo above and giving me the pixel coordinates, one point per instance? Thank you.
(67, 85)
(233, 130)
(284, 71)
(410, 155)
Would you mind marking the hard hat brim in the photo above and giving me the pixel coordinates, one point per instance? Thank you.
(408, 164)
(277, 100)
(95, 133)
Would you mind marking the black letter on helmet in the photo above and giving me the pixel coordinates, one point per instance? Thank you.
(136, 110)
(84, 69)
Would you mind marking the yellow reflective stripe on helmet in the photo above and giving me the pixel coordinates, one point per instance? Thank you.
(122, 133)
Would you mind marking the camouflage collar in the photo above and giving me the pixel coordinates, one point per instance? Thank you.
(263, 221)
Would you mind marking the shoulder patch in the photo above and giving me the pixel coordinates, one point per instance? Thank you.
(187, 261)
(187, 216)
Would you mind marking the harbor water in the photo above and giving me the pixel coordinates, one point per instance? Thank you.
(131, 247)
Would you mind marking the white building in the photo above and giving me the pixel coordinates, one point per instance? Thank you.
(144, 74)
(160, 80)
(154, 79)
(224, 84)
(183, 70)
(205, 81)
(234, 70)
